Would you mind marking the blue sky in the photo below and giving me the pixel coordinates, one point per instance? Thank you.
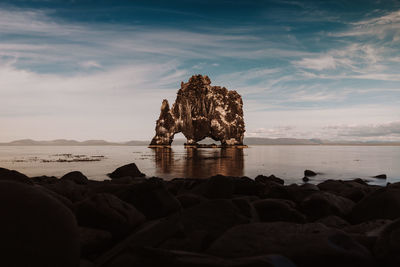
(100, 69)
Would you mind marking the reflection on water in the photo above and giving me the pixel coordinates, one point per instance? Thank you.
(198, 163)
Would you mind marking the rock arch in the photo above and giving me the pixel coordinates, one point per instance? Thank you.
(201, 110)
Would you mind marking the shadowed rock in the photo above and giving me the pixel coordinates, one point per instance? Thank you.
(35, 229)
(130, 170)
(107, 212)
(309, 173)
(272, 210)
(201, 110)
(380, 176)
(75, 176)
(11, 175)
(387, 248)
(384, 203)
(305, 244)
(151, 198)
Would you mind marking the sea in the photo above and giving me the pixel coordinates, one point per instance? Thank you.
(287, 161)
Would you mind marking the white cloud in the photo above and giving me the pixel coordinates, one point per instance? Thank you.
(90, 64)
(379, 27)
(388, 130)
(318, 63)
(120, 103)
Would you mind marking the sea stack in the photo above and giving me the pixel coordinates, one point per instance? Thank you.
(201, 110)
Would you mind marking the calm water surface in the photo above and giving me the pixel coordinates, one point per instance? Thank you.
(288, 162)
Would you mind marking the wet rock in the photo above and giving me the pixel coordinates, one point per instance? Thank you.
(305, 244)
(68, 203)
(150, 234)
(86, 263)
(274, 190)
(186, 185)
(126, 170)
(107, 212)
(323, 204)
(333, 221)
(309, 173)
(244, 204)
(306, 179)
(298, 193)
(11, 175)
(151, 198)
(162, 257)
(247, 186)
(201, 110)
(76, 176)
(219, 186)
(272, 178)
(272, 210)
(213, 216)
(93, 241)
(44, 179)
(384, 203)
(35, 229)
(380, 176)
(354, 189)
(387, 248)
(69, 189)
(189, 200)
(367, 228)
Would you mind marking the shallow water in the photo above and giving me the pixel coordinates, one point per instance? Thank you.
(288, 162)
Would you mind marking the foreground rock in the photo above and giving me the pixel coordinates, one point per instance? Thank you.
(201, 110)
(35, 229)
(130, 170)
(11, 175)
(107, 212)
(219, 221)
(307, 245)
(384, 203)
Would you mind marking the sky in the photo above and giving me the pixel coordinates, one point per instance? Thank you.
(100, 69)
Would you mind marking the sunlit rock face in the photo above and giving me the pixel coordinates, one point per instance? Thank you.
(201, 110)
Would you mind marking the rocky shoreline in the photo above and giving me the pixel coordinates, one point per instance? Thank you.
(132, 220)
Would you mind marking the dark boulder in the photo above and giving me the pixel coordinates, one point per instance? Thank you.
(69, 189)
(76, 176)
(309, 173)
(247, 186)
(305, 244)
(272, 178)
(384, 203)
(380, 176)
(333, 221)
(94, 242)
(219, 186)
(107, 212)
(306, 179)
(298, 193)
(179, 258)
(353, 189)
(44, 179)
(244, 204)
(68, 203)
(35, 229)
(323, 204)
(272, 210)
(126, 170)
(151, 198)
(11, 175)
(213, 217)
(188, 200)
(387, 247)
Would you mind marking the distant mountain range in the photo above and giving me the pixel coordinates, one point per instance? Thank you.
(247, 141)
